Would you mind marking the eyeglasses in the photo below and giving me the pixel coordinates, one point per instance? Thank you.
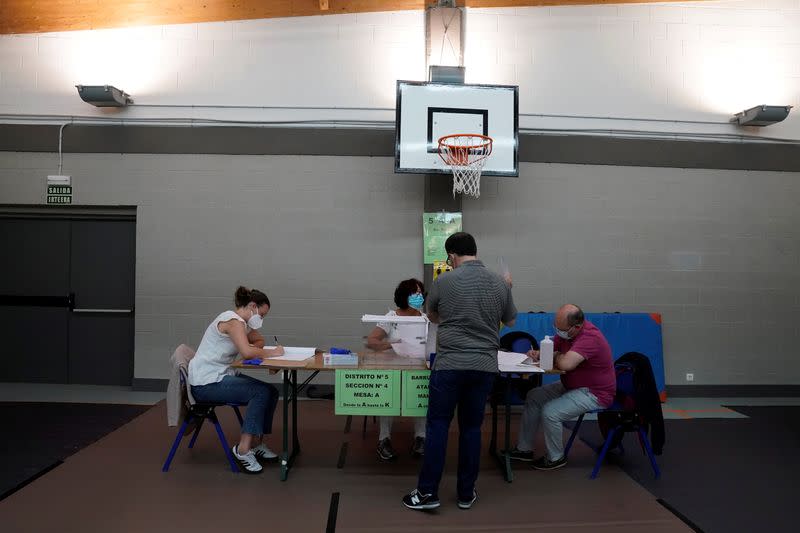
(449, 261)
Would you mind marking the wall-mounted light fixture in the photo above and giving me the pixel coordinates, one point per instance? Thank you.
(762, 115)
(444, 41)
(104, 95)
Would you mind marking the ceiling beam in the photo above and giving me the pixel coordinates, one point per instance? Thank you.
(35, 16)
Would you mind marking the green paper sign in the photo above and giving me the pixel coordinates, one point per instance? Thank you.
(368, 392)
(436, 228)
(415, 392)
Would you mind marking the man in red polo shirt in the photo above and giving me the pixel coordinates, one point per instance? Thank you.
(588, 383)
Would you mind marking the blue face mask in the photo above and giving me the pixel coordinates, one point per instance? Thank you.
(416, 300)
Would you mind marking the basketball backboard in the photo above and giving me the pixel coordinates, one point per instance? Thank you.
(427, 111)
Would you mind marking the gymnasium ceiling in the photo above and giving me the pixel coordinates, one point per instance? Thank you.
(34, 16)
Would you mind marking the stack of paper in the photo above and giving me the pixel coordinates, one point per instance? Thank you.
(514, 362)
(292, 353)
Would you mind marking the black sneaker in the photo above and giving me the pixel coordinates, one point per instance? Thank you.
(421, 502)
(519, 455)
(468, 503)
(544, 463)
(418, 447)
(385, 450)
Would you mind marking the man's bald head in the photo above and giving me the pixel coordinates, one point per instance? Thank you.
(568, 316)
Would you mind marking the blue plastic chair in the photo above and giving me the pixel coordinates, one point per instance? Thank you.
(198, 413)
(627, 421)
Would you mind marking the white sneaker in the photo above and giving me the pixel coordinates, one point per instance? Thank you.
(264, 454)
(248, 461)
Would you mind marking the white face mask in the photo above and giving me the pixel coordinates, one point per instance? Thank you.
(255, 321)
(563, 334)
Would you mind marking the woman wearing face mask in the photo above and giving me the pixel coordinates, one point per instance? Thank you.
(406, 340)
(213, 380)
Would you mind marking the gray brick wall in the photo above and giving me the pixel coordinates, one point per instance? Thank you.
(326, 238)
(716, 252)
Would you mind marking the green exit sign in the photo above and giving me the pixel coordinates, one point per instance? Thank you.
(59, 194)
(60, 200)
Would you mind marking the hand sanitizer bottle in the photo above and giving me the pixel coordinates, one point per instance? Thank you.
(546, 353)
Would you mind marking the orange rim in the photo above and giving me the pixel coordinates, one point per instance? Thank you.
(458, 155)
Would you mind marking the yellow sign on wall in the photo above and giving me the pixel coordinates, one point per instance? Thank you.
(440, 267)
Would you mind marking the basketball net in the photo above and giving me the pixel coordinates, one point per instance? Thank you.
(465, 154)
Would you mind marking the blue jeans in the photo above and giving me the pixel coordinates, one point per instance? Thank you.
(551, 405)
(448, 389)
(261, 399)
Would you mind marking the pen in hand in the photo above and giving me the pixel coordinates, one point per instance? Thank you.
(278, 349)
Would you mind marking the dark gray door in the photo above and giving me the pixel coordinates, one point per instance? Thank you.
(66, 300)
(102, 278)
(34, 300)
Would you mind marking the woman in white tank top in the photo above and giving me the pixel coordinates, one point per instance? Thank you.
(214, 381)
(406, 340)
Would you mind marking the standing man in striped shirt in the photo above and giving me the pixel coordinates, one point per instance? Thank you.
(468, 303)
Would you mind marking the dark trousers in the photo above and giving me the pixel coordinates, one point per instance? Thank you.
(448, 389)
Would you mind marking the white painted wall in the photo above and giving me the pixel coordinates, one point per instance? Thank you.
(696, 61)
(716, 252)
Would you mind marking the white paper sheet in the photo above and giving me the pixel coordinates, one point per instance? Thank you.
(293, 353)
(512, 362)
(286, 358)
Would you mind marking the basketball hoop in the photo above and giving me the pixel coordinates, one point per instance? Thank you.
(465, 154)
